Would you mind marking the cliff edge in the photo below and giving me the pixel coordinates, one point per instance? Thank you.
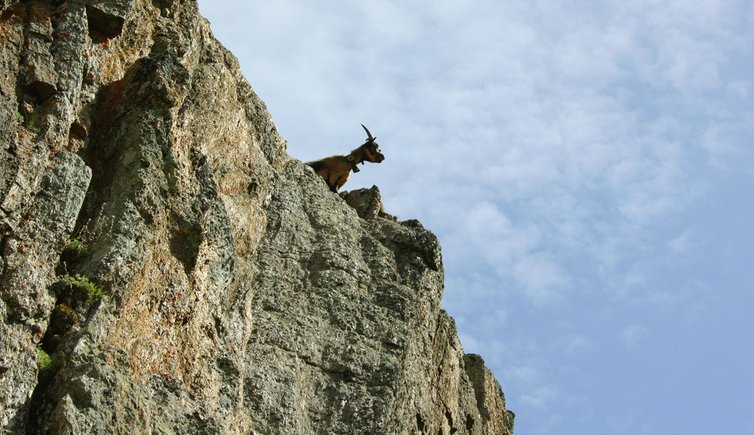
(168, 268)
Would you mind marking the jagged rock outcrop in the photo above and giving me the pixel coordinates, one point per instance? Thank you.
(185, 274)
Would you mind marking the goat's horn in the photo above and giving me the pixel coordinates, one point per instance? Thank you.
(371, 138)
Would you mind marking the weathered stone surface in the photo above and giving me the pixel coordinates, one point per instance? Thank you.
(489, 396)
(240, 294)
(367, 203)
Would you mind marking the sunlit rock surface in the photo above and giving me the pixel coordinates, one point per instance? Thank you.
(237, 294)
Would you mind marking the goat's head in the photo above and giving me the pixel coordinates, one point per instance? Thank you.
(371, 148)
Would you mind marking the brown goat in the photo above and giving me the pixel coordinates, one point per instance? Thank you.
(336, 169)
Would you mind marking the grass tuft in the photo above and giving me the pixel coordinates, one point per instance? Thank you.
(80, 289)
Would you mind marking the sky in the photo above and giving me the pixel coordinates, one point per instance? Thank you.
(586, 165)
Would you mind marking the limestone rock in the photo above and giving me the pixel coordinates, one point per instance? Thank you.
(367, 203)
(228, 290)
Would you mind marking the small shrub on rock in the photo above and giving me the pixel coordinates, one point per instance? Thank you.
(77, 290)
(44, 362)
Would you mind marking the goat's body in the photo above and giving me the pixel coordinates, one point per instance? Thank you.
(334, 170)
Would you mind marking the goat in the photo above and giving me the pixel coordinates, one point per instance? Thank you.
(336, 169)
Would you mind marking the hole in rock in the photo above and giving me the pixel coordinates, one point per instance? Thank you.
(102, 25)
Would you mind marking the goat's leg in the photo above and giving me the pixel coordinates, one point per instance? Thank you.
(339, 183)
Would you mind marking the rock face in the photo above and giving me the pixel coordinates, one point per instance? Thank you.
(182, 272)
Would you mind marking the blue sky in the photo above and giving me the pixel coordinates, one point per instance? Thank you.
(587, 166)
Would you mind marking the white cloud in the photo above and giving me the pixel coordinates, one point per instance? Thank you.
(632, 335)
(738, 89)
(684, 244)
(492, 236)
(541, 397)
(728, 144)
(575, 344)
(525, 374)
(541, 278)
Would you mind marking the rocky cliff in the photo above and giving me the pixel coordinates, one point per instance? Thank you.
(168, 268)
